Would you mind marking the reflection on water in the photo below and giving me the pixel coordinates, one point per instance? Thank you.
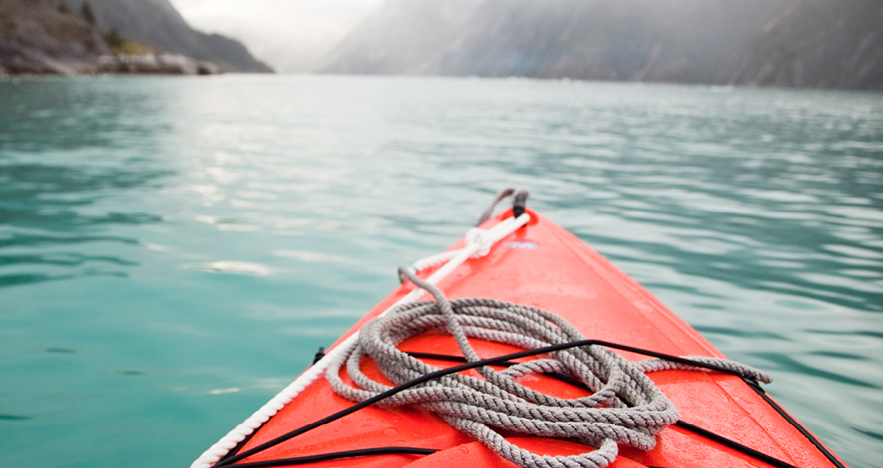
(205, 237)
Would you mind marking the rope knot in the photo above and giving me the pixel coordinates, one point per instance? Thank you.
(482, 238)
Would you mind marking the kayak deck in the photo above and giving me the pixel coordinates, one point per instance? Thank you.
(544, 266)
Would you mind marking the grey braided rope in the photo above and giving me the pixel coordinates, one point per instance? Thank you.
(625, 407)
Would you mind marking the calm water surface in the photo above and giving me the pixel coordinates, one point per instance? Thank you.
(173, 251)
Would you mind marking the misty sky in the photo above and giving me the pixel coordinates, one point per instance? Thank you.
(290, 35)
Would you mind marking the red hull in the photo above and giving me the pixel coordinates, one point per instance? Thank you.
(544, 266)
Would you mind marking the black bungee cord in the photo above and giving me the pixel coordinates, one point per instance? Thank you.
(507, 360)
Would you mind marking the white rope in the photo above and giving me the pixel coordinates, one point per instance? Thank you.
(484, 239)
(479, 243)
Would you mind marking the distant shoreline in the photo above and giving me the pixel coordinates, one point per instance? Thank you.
(712, 88)
(111, 64)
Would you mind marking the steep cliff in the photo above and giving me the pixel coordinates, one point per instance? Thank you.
(692, 41)
(819, 44)
(157, 23)
(809, 43)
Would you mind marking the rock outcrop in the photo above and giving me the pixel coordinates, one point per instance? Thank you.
(36, 36)
(158, 24)
(68, 38)
(155, 64)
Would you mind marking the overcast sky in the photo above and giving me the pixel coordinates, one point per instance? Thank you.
(290, 35)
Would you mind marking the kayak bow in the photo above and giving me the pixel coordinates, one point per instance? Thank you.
(528, 349)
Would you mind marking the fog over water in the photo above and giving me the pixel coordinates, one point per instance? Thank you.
(292, 36)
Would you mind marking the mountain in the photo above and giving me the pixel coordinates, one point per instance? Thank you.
(810, 43)
(691, 41)
(158, 24)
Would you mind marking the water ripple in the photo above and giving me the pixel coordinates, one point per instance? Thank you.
(756, 215)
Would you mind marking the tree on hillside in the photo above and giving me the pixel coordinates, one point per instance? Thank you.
(115, 40)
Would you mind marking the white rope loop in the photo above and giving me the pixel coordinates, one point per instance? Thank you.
(478, 242)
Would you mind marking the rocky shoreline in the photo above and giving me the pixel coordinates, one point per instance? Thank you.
(118, 64)
(153, 64)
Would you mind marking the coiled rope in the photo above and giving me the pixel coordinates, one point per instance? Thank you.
(625, 406)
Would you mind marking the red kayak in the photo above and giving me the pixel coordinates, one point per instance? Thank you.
(521, 392)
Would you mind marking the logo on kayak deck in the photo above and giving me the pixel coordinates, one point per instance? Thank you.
(522, 245)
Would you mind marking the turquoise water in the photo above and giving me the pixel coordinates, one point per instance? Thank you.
(173, 250)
